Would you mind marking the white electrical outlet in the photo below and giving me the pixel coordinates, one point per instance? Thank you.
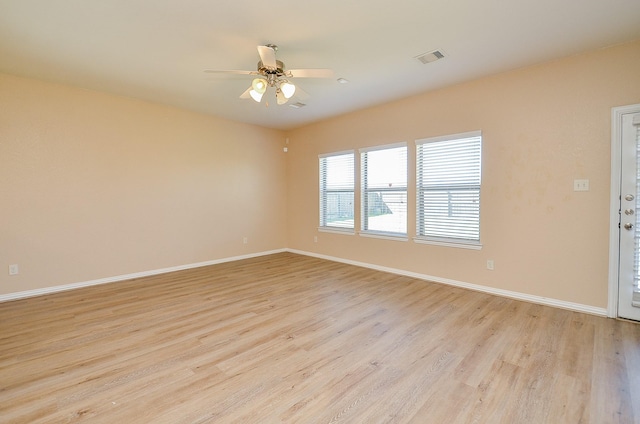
(580, 185)
(490, 264)
(315, 239)
(245, 240)
(13, 269)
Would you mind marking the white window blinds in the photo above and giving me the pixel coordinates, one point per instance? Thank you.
(337, 190)
(384, 189)
(448, 188)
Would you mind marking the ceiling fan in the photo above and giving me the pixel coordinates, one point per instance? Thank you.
(272, 73)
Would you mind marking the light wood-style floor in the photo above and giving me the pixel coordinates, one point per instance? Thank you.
(292, 339)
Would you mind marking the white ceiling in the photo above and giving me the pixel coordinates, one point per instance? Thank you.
(157, 50)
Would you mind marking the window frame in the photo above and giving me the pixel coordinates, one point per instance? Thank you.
(322, 192)
(364, 192)
(460, 242)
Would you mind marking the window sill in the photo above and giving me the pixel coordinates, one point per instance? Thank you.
(337, 230)
(473, 245)
(384, 236)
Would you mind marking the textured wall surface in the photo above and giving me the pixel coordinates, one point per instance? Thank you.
(94, 186)
(542, 127)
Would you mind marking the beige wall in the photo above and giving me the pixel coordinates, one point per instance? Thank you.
(94, 186)
(543, 127)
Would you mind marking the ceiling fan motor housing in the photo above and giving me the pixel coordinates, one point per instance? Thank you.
(279, 70)
(272, 75)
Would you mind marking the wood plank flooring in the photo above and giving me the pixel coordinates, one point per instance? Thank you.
(292, 339)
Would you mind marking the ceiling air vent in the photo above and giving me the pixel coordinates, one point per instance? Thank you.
(297, 105)
(430, 56)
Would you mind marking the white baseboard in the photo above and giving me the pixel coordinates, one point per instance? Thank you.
(55, 289)
(578, 307)
(490, 290)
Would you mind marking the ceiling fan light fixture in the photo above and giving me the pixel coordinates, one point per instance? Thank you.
(280, 97)
(259, 85)
(255, 95)
(271, 72)
(288, 89)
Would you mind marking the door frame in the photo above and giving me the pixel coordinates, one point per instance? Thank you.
(614, 205)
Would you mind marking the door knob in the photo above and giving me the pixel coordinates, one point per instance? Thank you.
(628, 226)
(628, 212)
(629, 197)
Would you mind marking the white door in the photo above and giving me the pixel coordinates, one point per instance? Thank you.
(628, 132)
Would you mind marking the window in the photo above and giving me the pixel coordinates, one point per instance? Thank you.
(336, 190)
(448, 189)
(384, 190)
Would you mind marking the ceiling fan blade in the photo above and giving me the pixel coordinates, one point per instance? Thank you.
(246, 94)
(237, 72)
(301, 94)
(268, 57)
(310, 73)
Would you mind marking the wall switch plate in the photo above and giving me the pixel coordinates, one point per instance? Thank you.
(580, 185)
(13, 269)
(490, 264)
